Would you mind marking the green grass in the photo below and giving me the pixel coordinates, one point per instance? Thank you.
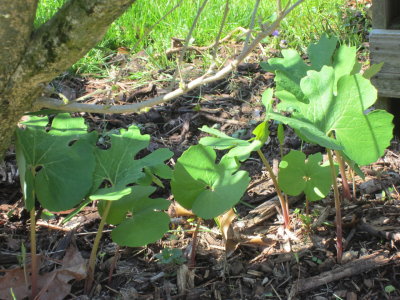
(303, 25)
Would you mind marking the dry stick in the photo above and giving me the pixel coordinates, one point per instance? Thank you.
(186, 45)
(92, 108)
(363, 264)
(252, 22)
(342, 168)
(34, 260)
(284, 204)
(339, 242)
(218, 37)
(93, 254)
(395, 236)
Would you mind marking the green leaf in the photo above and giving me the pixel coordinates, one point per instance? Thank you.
(267, 99)
(110, 194)
(262, 132)
(118, 166)
(207, 188)
(362, 137)
(321, 53)
(142, 229)
(372, 70)
(120, 208)
(220, 140)
(389, 289)
(291, 68)
(51, 161)
(240, 148)
(298, 174)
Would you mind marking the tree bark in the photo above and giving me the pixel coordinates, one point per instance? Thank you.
(30, 59)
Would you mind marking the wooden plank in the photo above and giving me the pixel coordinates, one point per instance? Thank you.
(387, 84)
(380, 14)
(385, 47)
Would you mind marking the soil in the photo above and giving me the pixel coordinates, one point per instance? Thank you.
(258, 259)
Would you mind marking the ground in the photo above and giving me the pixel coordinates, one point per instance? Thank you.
(259, 259)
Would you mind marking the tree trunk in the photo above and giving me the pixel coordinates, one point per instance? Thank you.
(29, 59)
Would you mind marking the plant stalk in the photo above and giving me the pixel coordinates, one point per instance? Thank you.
(284, 203)
(342, 168)
(339, 243)
(192, 262)
(34, 261)
(93, 254)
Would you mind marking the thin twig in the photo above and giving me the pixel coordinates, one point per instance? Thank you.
(187, 40)
(218, 37)
(252, 22)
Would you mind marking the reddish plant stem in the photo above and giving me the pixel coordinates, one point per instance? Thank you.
(342, 168)
(192, 262)
(284, 203)
(339, 243)
(34, 261)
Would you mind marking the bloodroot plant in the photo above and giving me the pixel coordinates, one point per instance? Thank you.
(330, 104)
(60, 166)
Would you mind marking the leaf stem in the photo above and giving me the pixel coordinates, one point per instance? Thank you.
(192, 261)
(284, 203)
(34, 261)
(93, 254)
(342, 168)
(339, 244)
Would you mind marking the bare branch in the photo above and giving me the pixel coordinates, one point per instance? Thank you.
(217, 38)
(187, 40)
(252, 22)
(81, 107)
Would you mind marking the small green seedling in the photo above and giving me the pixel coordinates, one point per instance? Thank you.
(300, 175)
(170, 256)
(389, 289)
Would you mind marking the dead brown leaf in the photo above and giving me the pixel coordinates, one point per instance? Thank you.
(53, 285)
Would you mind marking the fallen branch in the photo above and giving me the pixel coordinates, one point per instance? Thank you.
(378, 233)
(363, 264)
(108, 109)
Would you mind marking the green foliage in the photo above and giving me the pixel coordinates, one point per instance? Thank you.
(328, 105)
(50, 160)
(60, 165)
(170, 256)
(207, 188)
(238, 148)
(298, 174)
(118, 167)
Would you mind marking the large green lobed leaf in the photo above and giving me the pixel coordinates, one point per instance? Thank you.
(207, 188)
(56, 165)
